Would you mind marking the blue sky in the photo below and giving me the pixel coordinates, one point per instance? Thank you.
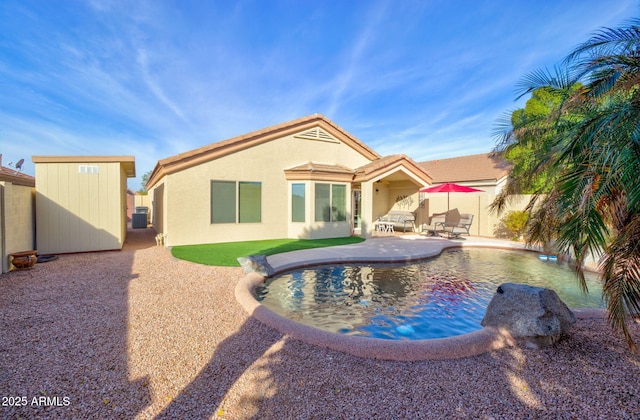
(156, 78)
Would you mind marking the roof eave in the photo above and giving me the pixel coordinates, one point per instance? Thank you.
(128, 163)
(18, 180)
(226, 147)
(403, 161)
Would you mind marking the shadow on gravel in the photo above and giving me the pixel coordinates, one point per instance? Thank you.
(303, 381)
(203, 397)
(64, 331)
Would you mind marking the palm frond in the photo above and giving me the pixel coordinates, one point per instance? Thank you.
(560, 78)
(608, 41)
(621, 277)
(503, 131)
(587, 147)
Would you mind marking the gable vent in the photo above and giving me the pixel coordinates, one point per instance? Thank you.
(88, 169)
(317, 133)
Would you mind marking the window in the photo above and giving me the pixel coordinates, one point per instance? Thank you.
(297, 202)
(223, 202)
(323, 202)
(338, 203)
(236, 202)
(331, 203)
(250, 203)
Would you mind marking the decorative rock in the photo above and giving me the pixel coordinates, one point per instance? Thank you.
(256, 264)
(534, 314)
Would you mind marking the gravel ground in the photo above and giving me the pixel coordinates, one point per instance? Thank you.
(138, 334)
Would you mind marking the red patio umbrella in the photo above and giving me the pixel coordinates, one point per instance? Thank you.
(449, 188)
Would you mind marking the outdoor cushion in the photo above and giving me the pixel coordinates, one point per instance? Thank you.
(399, 218)
(436, 223)
(454, 230)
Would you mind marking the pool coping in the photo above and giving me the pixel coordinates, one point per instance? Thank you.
(377, 250)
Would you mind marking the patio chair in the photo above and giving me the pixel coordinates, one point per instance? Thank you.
(455, 229)
(436, 224)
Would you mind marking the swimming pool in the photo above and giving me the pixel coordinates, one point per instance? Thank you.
(440, 297)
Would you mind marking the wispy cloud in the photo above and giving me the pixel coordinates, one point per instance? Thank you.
(155, 79)
(353, 60)
(152, 84)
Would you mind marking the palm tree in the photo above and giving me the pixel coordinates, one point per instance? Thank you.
(589, 147)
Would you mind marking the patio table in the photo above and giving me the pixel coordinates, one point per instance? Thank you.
(382, 226)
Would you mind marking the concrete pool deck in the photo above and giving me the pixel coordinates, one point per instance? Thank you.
(382, 249)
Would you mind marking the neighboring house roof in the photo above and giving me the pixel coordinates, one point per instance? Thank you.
(223, 148)
(128, 162)
(15, 177)
(480, 167)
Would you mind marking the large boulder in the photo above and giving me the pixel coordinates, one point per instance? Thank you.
(534, 315)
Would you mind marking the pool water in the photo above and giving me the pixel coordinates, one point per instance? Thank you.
(440, 297)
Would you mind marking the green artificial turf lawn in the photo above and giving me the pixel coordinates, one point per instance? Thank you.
(226, 254)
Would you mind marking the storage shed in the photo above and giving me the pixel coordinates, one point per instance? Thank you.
(81, 202)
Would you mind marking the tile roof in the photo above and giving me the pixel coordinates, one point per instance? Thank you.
(366, 172)
(378, 164)
(480, 167)
(321, 167)
(372, 169)
(319, 171)
(235, 144)
(15, 177)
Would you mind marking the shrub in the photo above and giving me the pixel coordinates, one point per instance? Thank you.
(513, 224)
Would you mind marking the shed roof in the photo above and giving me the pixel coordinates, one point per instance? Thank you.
(127, 162)
(480, 167)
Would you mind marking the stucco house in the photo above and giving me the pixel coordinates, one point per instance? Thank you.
(306, 178)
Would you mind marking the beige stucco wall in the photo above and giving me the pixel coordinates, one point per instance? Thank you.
(187, 198)
(158, 203)
(367, 208)
(484, 222)
(77, 212)
(17, 220)
(381, 200)
(143, 200)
